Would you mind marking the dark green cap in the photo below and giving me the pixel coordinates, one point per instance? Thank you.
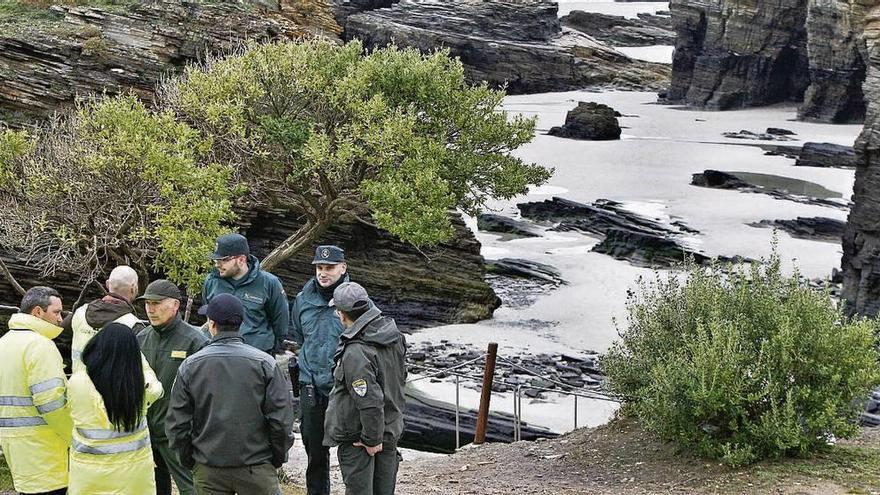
(160, 289)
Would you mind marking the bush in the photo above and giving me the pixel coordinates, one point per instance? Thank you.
(113, 183)
(742, 364)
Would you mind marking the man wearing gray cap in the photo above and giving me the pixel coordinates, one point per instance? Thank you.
(165, 344)
(237, 272)
(231, 414)
(315, 327)
(365, 414)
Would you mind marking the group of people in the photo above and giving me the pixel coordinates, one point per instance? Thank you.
(99, 403)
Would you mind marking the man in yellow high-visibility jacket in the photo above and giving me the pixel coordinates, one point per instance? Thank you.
(35, 424)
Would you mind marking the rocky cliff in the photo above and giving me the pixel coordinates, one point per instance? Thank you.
(837, 69)
(518, 43)
(48, 57)
(861, 240)
(737, 53)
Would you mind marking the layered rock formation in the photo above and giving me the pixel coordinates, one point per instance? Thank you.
(520, 44)
(82, 50)
(644, 30)
(861, 240)
(737, 53)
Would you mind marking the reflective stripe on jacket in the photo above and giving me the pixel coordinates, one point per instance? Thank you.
(35, 424)
(102, 459)
(83, 333)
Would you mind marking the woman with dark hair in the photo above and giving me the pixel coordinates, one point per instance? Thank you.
(110, 452)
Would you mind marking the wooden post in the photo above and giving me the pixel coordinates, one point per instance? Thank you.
(486, 393)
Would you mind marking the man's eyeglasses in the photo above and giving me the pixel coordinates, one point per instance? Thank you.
(224, 259)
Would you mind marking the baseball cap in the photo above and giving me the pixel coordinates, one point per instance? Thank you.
(349, 296)
(328, 255)
(224, 309)
(231, 245)
(160, 289)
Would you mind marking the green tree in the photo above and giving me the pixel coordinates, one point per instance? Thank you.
(743, 364)
(113, 183)
(322, 129)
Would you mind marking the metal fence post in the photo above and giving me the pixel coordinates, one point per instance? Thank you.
(457, 420)
(486, 393)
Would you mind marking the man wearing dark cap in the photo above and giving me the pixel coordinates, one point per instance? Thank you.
(315, 327)
(237, 271)
(365, 415)
(165, 344)
(231, 415)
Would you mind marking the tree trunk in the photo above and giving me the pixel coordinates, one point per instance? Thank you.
(188, 311)
(305, 236)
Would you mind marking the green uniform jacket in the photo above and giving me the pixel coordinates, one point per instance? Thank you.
(266, 315)
(165, 348)
(316, 328)
(367, 401)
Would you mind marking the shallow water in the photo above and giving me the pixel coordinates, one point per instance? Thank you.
(649, 170)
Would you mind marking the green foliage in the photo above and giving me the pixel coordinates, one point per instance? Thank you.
(117, 183)
(742, 365)
(319, 127)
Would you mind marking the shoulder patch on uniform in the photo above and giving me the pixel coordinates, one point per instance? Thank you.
(360, 387)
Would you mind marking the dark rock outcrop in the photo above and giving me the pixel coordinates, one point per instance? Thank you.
(490, 222)
(717, 179)
(625, 235)
(342, 9)
(589, 121)
(86, 50)
(758, 136)
(645, 30)
(445, 287)
(861, 240)
(826, 155)
(515, 267)
(812, 228)
(737, 53)
(520, 44)
(837, 69)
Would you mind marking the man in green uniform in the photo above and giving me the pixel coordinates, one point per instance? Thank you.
(365, 414)
(237, 272)
(165, 344)
(316, 328)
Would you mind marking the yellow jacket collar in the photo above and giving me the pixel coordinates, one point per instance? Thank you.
(24, 321)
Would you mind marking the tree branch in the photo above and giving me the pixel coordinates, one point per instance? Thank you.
(8, 275)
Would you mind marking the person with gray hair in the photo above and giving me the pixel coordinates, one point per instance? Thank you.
(87, 320)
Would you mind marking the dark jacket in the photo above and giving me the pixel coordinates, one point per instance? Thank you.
(165, 348)
(316, 328)
(266, 313)
(98, 313)
(367, 401)
(231, 406)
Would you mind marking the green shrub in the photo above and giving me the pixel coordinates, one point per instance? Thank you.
(742, 364)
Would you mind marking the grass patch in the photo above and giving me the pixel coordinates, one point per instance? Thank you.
(5, 475)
